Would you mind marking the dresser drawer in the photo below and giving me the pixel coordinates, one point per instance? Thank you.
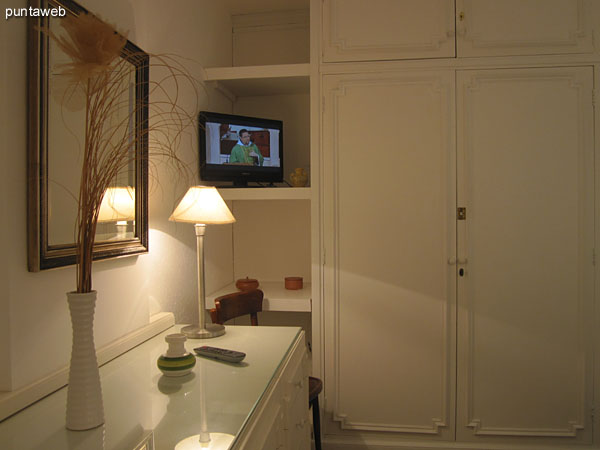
(297, 424)
(295, 380)
(295, 400)
(281, 421)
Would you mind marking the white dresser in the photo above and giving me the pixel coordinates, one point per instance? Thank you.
(262, 403)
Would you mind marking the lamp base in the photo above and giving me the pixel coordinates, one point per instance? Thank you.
(209, 330)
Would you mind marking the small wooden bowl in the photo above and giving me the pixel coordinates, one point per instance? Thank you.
(293, 283)
(246, 284)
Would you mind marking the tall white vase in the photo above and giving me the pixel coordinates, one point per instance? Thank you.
(84, 393)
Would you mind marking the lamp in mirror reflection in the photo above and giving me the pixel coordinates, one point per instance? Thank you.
(202, 205)
(118, 205)
(205, 439)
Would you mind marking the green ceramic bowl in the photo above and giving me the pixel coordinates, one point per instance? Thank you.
(176, 366)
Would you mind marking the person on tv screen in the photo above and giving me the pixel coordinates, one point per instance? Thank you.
(245, 152)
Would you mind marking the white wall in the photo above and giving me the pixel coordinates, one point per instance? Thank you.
(35, 331)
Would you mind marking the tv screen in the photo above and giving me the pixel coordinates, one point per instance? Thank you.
(240, 149)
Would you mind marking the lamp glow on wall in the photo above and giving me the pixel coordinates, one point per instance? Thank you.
(118, 205)
(202, 205)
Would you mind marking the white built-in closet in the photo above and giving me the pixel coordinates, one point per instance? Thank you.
(458, 199)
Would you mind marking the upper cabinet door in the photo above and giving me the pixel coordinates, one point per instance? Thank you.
(523, 27)
(359, 30)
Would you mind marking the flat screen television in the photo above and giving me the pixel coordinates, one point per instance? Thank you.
(240, 149)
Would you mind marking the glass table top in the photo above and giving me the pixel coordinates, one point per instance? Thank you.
(140, 403)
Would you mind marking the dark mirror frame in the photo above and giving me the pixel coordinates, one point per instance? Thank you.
(41, 255)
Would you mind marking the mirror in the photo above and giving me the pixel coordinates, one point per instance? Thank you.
(56, 135)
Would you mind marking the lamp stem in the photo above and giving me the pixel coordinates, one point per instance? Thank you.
(202, 330)
(200, 229)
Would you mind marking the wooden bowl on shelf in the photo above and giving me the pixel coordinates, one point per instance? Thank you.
(246, 284)
(293, 283)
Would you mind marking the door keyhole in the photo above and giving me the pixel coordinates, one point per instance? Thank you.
(461, 272)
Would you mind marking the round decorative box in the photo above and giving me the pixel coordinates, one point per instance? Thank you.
(293, 283)
(246, 284)
(176, 362)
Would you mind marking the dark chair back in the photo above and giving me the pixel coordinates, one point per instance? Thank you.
(237, 304)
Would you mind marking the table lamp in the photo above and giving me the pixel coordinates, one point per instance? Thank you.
(202, 205)
(118, 205)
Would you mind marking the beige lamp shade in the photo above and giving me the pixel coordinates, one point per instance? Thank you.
(117, 204)
(202, 204)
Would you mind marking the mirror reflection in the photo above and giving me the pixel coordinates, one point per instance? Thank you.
(66, 134)
(56, 141)
(117, 214)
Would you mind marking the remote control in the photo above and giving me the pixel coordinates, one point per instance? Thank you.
(220, 353)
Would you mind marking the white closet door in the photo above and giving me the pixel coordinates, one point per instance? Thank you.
(523, 27)
(525, 168)
(389, 199)
(359, 30)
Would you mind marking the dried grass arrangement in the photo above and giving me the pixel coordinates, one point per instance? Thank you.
(99, 72)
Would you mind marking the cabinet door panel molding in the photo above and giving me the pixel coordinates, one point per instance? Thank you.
(358, 31)
(386, 280)
(523, 27)
(528, 238)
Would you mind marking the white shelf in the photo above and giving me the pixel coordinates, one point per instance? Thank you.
(261, 80)
(277, 297)
(267, 193)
